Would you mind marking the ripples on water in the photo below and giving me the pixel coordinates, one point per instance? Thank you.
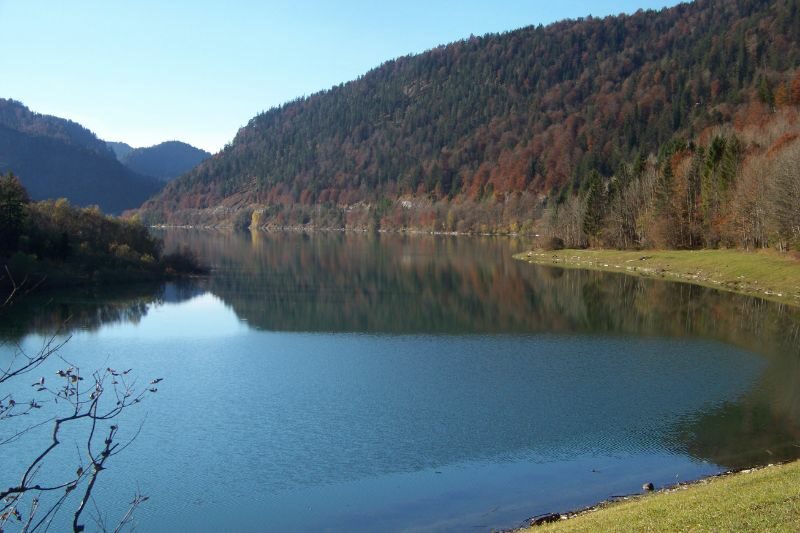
(354, 382)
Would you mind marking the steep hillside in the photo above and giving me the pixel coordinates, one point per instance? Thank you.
(498, 123)
(57, 158)
(164, 161)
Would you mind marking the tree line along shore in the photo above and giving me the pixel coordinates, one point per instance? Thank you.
(52, 243)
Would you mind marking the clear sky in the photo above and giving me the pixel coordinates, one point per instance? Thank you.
(146, 71)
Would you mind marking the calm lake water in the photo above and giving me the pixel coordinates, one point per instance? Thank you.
(350, 382)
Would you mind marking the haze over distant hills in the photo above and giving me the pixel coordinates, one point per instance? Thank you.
(164, 161)
(486, 129)
(120, 149)
(58, 158)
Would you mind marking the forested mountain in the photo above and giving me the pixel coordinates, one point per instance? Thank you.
(164, 161)
(482, 134)
(15, 116)
(58, 158)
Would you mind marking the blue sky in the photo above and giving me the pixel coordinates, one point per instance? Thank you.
(147, 71)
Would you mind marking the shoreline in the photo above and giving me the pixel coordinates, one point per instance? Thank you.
(633, 504)
(701, 503)
(310, 230)
(760, 274)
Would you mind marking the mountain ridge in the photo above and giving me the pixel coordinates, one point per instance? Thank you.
(17, 116)
(59, 158)
(164, 161)
(521, 116)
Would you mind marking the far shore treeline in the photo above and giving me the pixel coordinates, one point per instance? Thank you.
(55, 244)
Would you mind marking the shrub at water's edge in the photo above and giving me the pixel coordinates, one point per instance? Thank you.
(66, 245)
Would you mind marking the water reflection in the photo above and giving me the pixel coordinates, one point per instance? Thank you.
(64, 311)
(357, 364)
(416, 284)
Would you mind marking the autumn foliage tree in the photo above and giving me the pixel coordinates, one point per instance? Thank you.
(740, 187)
(795, 89)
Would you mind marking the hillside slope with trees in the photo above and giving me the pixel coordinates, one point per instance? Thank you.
(58, 158)
(485, 133)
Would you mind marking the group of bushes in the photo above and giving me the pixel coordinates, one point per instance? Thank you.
(65, 244)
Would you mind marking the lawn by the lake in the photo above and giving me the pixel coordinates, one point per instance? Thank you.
(759, 500)
(766, 273)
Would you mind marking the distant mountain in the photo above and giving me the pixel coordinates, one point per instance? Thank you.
(483, 131)
(164, 161)
(120, 149)
(15, 116)
(58, 158)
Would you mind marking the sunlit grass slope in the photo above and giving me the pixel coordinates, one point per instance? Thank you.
(760, 500)
(766, 274)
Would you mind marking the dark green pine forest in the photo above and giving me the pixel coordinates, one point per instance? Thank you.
(509, 132)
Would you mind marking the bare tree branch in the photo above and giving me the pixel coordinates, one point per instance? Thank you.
(90, 402)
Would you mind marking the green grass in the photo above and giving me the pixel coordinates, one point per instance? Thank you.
(759, 500)
(766, 274)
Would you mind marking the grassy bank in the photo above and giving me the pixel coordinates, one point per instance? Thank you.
(766, 499)
(766, 274)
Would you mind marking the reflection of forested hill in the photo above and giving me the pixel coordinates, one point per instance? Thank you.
(394, 284)
(743, 434)
(87, 308)
(419, 284)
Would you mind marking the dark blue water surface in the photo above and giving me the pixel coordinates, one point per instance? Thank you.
(347, 382)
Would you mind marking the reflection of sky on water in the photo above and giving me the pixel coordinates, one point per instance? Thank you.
(292, 420)
(200, 316)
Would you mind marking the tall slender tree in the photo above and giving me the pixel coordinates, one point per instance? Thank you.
(13, 199)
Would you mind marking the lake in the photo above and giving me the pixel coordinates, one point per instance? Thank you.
(348, 382)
